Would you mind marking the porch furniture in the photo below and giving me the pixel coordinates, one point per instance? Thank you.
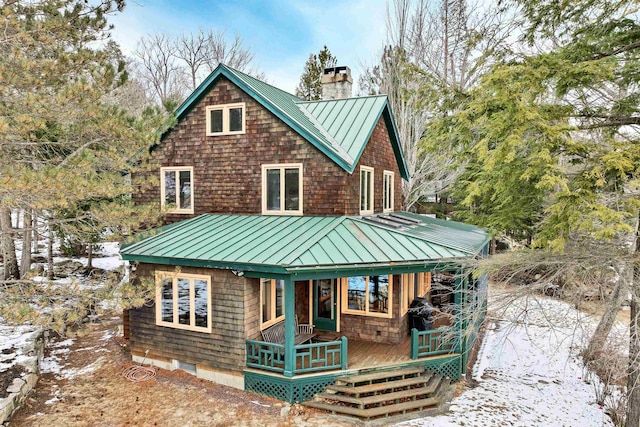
(275, 333)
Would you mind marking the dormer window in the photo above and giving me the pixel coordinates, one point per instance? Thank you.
(282, 189)
(228, 119)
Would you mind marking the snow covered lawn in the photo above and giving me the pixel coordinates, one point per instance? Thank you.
(528, 372)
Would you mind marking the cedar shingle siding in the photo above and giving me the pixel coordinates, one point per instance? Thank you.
(223, 348)
(227, 169)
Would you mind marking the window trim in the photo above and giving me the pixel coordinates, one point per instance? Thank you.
(282, 167)
(423, 283)
(344, 285)
(176, 169)
(387, 203)
(159, 275)
(265, 325)
(225, 119)
(407, 292)
(370, 192)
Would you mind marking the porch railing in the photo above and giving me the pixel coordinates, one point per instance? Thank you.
(322, 356)
(432, 342)
(265, 355)
(315, 357)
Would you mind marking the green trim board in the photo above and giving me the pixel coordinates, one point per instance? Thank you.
(338, 128)
(310, 246)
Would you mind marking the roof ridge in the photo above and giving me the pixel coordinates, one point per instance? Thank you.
(309, 243)
(317, 101)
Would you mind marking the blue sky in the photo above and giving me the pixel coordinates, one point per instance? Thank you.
(282, 33)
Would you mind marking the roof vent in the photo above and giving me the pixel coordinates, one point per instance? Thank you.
(336, 83)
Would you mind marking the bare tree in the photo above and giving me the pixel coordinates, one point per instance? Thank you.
(432, 54)
(160, 69)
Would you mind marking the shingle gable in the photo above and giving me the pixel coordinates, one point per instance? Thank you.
(340, 128)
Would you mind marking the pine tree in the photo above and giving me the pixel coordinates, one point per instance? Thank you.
(310, 87)
(64, 145)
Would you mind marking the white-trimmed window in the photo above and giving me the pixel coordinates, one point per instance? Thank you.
(183, 301)
(407, 292)
(282, 189)
(366, 190)
(176, 189)
(368, 295)
(228, 119)
(387, 197)
(271, 302)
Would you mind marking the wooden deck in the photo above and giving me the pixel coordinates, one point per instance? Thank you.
(365, 354)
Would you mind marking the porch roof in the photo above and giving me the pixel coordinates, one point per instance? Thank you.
(284, 244)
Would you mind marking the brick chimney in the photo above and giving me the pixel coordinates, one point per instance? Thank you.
(336, 83)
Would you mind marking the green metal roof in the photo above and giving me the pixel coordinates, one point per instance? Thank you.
(287, 243)
(339, 128)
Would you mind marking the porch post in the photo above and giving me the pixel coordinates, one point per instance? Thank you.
(459, 299)
(289, 327)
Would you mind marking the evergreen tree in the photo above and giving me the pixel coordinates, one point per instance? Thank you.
(65, 146)
(310, 87)
(552, 143)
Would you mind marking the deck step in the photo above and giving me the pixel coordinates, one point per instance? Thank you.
(380, 376)
(379, 387)
(379, 411)
(378, 399)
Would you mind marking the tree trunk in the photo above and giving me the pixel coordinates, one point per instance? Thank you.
(50, 275)
(90, 255)
(25, 262)
(10, 261)
(633, 380)
(36, 234)
(599, 338)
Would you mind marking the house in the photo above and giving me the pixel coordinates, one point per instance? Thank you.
(285, 261)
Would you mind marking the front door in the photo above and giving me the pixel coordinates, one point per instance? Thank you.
(325, 304)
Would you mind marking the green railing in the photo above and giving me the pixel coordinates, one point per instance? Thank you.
(432, 342)
(265, 355)
(315, 357)
(322, 356)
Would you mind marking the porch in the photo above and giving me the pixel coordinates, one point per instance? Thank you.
(431, 349)
(343, 354)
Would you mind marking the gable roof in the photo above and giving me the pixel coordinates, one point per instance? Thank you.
(284, 244)
(338, 128)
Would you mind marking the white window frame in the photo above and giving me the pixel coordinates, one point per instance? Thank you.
(387, 191)
(269, 322)
(225, 119)
(177, 170)
(282, 210)
(344, 284)
(368, 196)
(174, 276)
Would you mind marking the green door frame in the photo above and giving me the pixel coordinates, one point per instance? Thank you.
(322, 322)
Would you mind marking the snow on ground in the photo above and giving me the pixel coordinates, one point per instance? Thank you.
(13, 341)
(528, 372)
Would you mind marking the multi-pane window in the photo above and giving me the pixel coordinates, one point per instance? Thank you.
(366, 190)
(369, 295)
(183, 301)
(282, 189)
(271, 301)
(228, 119)
(176, 189)
(387, 192)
